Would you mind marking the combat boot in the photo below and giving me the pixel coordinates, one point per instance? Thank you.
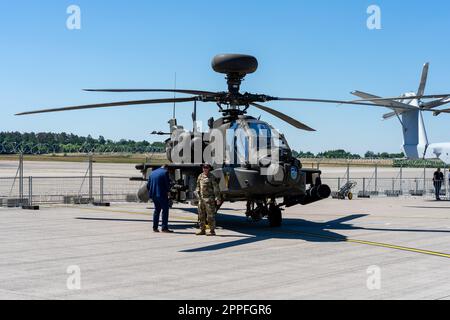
(201, 233)
(212, 233)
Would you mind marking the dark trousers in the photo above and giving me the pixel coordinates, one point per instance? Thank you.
(161, 204)
(437, 188)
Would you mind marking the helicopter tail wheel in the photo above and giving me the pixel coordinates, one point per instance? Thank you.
(350, 196)
(275, 217)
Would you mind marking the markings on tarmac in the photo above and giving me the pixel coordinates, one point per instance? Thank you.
(370, 243)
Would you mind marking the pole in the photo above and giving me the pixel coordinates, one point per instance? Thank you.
(376, 178)
(30, 191)
(425, 181)
(174, 114)
(194, 118)
(21, 178)
(447, 182)
(401, 179)
(101, 189)
(90, 178)
(348, 171)
(364, 187)
(444, 183)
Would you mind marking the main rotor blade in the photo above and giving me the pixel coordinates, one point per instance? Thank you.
(354, 102)
(424, 107)
(297, 124)
(432, 96)
(438, 112)
(370, 97)
(435, 104)
(390, 115)
(423, 80)
(113, 104)
(195, 92)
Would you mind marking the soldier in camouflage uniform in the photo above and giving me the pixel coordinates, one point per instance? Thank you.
(209, 199)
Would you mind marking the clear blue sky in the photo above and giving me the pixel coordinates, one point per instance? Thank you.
(319, 49)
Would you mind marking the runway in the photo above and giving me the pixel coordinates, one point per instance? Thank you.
(327, 250)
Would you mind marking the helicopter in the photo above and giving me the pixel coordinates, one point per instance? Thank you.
(251, 161)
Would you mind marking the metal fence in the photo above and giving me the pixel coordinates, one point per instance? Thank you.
(388, 182)
(371, 181)
(69, 190)
(390, 187)
(84, 190)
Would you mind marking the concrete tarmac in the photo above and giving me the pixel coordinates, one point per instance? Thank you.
(362, 249)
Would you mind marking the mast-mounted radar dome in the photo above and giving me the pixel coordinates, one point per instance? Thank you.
(234, 64)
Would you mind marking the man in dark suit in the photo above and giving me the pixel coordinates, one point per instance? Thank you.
(438, 179)
(158, 190)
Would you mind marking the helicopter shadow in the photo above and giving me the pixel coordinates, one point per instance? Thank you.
(292, 229)
(259, 231)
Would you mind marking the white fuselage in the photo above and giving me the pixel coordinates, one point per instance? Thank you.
(439, 150)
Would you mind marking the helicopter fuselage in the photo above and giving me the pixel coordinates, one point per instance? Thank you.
(252, 163)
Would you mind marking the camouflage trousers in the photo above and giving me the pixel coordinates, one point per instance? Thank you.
(207, 213)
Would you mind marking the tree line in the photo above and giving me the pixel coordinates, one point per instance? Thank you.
(342, 154)
(52, 143)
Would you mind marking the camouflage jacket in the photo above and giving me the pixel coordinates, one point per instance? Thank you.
(207, 187)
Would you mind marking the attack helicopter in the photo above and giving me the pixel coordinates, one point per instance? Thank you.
(251, 161)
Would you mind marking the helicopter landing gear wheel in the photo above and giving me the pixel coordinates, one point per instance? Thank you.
(275, 217)
(256, 211)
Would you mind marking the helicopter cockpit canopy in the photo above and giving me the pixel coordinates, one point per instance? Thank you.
(250, 141)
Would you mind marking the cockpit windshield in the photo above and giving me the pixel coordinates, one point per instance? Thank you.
(247, 141)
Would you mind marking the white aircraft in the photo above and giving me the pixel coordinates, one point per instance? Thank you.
(409, 108)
